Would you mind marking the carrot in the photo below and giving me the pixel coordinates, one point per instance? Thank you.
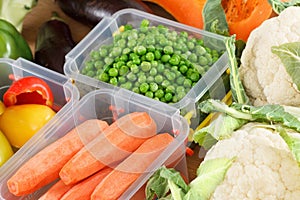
(56, 191)
(44, 166)
(129, 170)
(117, 141)
(84, 189)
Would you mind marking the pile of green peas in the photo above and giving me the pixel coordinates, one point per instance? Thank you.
(154, 61)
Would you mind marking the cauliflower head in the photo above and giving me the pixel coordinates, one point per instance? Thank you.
(262, 73)
(264, 167)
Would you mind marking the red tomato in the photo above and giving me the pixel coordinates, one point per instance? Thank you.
(28, 90)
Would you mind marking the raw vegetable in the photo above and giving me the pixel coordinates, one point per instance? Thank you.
(254, 163)
(120, 179)
(84, 189)
(212, 171)
(263, 74)
(91, 12)
(56, 191)
(54, 40)
(45, 165)
(20, 122)
(2, 107)
(28, 90)
(186, 13)
(14, 11)
(6, 150)
(120, 139)
(152, 60)
(244, 16)
(289, 56)
(279, 5)
(12, 43)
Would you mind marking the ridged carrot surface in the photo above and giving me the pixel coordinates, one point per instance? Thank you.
(44, 167)
(121, 138)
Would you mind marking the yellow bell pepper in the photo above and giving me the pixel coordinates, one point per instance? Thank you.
(5, 149)
(20, 122)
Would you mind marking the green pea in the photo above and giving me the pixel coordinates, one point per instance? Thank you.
(153, 87)
(134, 68)
(170, 76)
(175, 59)
(183, 69)
(159, 93)
(126, 85)
(187, 83)
(158, 78)
(153, 71)
(145, 66)
(180, 80)
(131, 76)
(103, 52)
(113, 81)
(144, 87)
(168, 96)
(157, 54)
(203, 60)
(90, 73)
(113, 72)
(168, 50)
(126, 50)
(104, 77)
(165, 83)
(160, 68)
(150, 79)
(140, 50)
(136, 89)
(108, 60)
(122, 79)
(195, 77)
(149, 94)
(165, 58)
(142, 78)
(150, 56)
(170, 89)
(123, 70)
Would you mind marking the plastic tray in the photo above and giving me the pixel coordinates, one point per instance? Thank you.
(65, 93)
(97, 104)
(108, 26)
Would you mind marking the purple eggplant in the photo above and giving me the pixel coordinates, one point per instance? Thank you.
(54, 41)
(91, 12)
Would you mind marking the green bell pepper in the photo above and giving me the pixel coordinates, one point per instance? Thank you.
(12, 43)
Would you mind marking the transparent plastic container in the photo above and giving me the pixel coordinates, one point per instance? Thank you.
(64, 93)
(102, 35)
(97, 105)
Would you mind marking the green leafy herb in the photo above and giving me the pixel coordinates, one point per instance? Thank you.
(214, 18)
(221, 128)
(209, 175)
(293, 143)
(159, 183)
(279, 5)
(238, 92)
(289, 53)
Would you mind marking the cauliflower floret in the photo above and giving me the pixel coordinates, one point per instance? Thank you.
(264, 167)
(262, 72)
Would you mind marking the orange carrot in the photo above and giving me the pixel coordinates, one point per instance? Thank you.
(129, 170)
(44, 166)
(121, 138)
(84, 189)
(56, 191)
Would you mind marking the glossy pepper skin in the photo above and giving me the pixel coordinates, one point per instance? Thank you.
(20, 122)
(6, 150)
(12, 43)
